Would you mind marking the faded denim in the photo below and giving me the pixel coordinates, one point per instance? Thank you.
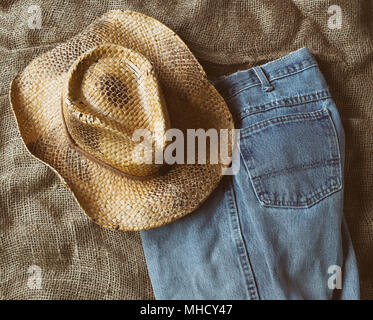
(272, 230)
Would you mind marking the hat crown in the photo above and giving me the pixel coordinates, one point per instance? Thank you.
(110, 92)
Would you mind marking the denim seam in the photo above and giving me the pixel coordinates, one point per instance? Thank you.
(312, 165)
(233, 94)
(241, 246)
(285, 102)
(285, 62)
(259, 126)
(338, 148)
(311, 199)
(292, 73)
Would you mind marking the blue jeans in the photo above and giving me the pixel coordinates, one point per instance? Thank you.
(274, 230)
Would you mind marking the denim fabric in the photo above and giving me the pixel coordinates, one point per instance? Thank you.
(273, 230)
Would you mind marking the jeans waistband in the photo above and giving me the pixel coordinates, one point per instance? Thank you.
(271, 82)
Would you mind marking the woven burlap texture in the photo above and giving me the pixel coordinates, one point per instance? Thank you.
(41, 224)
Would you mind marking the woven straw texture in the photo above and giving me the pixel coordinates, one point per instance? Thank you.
(42, 224)
(103, 129)
(109, 92)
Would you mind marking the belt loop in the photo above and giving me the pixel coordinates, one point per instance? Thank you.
(266, 85)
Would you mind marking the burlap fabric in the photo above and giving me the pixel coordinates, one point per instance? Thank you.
(40, 222)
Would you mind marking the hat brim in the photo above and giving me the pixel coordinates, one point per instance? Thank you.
(111, 200)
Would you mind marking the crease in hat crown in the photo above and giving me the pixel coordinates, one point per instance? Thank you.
(109, 92)
(104, 92)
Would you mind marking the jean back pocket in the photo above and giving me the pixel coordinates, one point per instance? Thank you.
(293, 160)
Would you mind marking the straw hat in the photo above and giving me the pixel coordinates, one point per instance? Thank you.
(78, 105)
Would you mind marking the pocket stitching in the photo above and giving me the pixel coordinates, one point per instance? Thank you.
(285, 103)
(334, 182)
(318, 164)
(311, 199)
(259, 126)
